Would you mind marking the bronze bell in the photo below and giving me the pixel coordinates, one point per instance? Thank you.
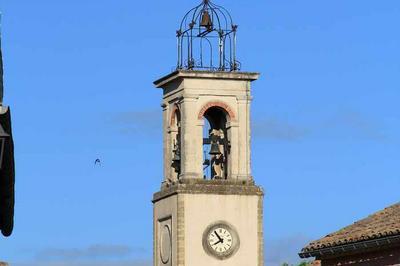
(206, 20)
(177, 154)
(215, 149)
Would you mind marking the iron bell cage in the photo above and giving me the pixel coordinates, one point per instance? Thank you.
(207, 39)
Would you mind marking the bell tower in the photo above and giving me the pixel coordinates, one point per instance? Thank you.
(209, 211)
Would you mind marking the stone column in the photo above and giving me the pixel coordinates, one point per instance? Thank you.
(244, 138)
(248, 126)
(166, 141)
(234, 158)
(191, 139)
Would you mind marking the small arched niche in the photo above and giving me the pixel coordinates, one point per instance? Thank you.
(216, 144)
(175, 143)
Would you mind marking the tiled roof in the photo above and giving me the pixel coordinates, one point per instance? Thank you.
(385, 223)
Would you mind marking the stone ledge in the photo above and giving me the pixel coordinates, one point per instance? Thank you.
(216, 187)
(198, 74)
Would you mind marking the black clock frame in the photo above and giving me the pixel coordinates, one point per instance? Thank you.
(235, 240)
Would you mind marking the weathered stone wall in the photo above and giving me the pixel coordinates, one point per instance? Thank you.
(389, 257)
(192, 205)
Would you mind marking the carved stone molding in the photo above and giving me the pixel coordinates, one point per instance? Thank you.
(200, 186)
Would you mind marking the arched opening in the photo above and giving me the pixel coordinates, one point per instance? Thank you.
(216, 146)
(176, 144)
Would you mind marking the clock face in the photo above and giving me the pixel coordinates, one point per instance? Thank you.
(220, 240)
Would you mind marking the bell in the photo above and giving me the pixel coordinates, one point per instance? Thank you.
(215, 149)
(206, 20)
(177, 156)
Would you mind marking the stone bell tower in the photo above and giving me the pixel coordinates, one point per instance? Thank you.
(209, 210)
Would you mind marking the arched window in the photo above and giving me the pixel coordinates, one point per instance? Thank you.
(215, 144)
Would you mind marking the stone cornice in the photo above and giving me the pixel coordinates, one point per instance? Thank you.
(180, 74)
(216, 187)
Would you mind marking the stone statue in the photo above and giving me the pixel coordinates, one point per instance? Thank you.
(218, 160)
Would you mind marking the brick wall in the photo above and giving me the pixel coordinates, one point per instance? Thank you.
(389, 257)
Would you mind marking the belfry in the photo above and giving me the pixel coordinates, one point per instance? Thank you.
(209, 211)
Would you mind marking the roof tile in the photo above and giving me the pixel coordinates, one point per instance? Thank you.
(381, 224)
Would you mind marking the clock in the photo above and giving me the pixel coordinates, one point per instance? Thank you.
(220, 240)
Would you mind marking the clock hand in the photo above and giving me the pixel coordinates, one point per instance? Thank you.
(220, 239)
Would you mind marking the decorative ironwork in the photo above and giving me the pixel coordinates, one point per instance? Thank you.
(207, 39)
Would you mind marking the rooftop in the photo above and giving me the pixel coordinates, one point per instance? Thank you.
(384, 224)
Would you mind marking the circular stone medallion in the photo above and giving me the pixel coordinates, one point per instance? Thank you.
(165, 248)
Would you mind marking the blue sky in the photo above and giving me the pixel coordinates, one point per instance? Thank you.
(326, 120)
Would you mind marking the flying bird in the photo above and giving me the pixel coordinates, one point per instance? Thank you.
(97, 162)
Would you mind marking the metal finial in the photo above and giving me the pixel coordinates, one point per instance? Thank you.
(207, 39)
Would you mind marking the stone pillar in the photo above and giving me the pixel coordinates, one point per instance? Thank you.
(244, 138)
(233, 136)
(166, 142)
(191, 144)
